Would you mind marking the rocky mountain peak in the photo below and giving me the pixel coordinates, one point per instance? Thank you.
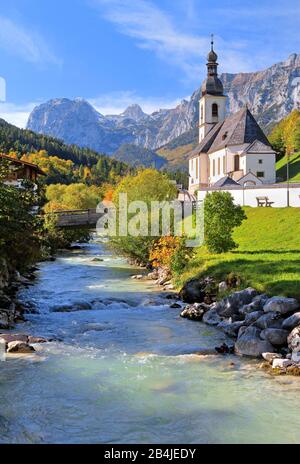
(134, 112)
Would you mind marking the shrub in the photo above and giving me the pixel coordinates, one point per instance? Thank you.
(221, 217)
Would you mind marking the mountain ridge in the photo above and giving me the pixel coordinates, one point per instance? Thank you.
(270, 94)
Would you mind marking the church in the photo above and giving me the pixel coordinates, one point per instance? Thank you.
(232, 150)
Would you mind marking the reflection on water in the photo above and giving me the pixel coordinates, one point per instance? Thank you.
(124, 370)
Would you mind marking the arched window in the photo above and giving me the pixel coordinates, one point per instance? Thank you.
(202, 115)
(237, 162)
(215, 110)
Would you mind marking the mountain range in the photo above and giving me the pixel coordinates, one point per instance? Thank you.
(270, 94)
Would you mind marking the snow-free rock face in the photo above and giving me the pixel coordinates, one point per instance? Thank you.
(270, 94)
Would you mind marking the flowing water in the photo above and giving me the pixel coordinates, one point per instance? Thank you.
(124, 372)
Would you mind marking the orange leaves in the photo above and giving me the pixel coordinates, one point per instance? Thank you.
(163, 251)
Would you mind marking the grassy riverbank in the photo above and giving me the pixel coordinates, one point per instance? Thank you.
(268, 257)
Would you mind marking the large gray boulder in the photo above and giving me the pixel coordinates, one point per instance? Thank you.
(277, 337)
(231, 305)
(269, 320)
(294, 339)
(230, 328)
(291, 322)
(281, 305)
(256, 304)
(249, 343)
(198, 290)
(252, 317)
(211, 317)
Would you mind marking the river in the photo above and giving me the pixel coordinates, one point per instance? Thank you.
(124, 371)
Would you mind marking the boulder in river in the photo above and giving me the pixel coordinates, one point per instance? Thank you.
(194, 312)
(231, 305)
(199, 290)
(276, 337)
(269, 320)
(294, 339)
(252, 317)
(249, 343)
(8, 338)
(19, 347)
(230, 328)
(281, 305)
(211, 317)
(291, 322)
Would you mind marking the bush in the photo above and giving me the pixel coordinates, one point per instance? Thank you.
(221, 217)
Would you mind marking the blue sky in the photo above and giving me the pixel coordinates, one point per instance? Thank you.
(117, 52)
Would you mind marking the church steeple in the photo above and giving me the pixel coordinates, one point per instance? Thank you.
(212, 85)
(213, 100)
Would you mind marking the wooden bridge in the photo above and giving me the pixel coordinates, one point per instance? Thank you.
(77, 218)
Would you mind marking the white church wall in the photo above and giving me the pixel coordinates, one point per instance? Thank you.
(267, 166)
(277, 193)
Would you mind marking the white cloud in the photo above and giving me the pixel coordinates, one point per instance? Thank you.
(116, 102)
(25, 43)
(155, 30)
(16, 114)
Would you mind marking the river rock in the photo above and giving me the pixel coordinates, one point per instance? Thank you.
(277, 337)
(76, 306)
(252, 317)
(8, 338)
(269, 320)
(36, 340)
(281, 305)
(281, 363)
(211, 317)
(271, 356)
(256, 304)
(198, 290)
(294, 339)
(19, 347)
(291, 322)
(249, 343)
(194, 312)
(230, 328)
(230, 306)
(295, 357)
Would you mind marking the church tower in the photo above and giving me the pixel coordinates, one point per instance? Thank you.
(213, 100)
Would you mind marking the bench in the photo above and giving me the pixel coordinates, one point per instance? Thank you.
(264, 201)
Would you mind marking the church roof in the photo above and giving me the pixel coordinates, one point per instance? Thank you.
(225, 181)
(237, 129)
(207, 142)
(258, 147)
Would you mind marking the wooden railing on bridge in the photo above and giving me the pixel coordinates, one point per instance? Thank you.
(77, 218)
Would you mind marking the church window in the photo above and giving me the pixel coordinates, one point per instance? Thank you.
(202, 118)
(237, 163)
(214, 168)
(260, 174)
(215, 110)
(219, 166)
(260, 161)
(224, 164)
(197, 168)
(224, 136)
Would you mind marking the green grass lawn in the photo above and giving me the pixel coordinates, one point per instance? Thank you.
(294, 168)
(268, 257)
